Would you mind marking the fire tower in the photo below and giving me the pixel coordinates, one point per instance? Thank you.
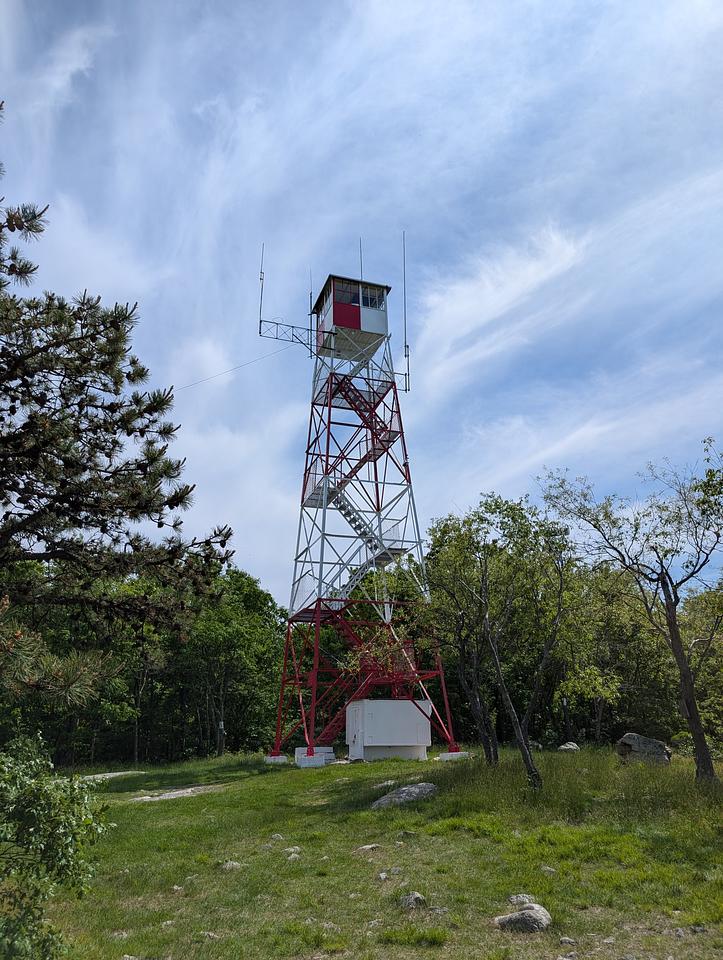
(343, 654)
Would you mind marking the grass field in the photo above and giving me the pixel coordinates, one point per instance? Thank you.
(636, 853)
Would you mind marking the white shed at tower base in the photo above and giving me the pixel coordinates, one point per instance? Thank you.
(377, 729)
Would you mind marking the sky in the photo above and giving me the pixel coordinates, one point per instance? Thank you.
(557, 168)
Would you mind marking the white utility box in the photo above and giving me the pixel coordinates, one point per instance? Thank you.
(377, 729)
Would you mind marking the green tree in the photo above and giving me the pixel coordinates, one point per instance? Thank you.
(86, 470)
(664, 543)
(513, 564)
(234, 650)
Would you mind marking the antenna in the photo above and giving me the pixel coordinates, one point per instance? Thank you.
(261, 281)
(404, 307)
(361, 260)
(311, 303)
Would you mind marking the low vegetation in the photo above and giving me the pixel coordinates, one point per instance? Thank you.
(634, 850)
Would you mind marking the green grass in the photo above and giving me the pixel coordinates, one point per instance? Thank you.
(636, 854)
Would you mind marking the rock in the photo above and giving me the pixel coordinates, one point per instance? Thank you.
(634, 746)
(412, 901)
(696, 928)
(292, 850)
(518, 898)
(368, 847)
(679, 932)
(567, 941)
(119, 934)
(568, 747)
(292, 857)
(375, 923)
(383, 876)
(177, 889)
(439, 910)
(325, 857)
(168, 923)
(210, 935)
(230, 865)
(531, 918)
(609, 940)
(395, 871)
(384, 785)
(548, 870)
(276, 836)
(408, 794)
(175, 794)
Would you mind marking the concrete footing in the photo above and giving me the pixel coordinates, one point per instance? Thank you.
(270, 758)
(458, 755)
(322, 756)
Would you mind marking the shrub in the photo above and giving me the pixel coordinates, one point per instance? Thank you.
(46, 825)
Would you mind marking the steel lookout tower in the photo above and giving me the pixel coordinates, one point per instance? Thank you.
(346, 664)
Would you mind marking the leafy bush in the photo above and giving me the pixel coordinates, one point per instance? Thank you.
(46, 825)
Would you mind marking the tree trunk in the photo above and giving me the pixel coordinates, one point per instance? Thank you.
(480, 715)
(704, 769)
(566, 720)
(599, 709)
(533, 774)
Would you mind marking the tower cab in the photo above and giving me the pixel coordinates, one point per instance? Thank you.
(351, 318)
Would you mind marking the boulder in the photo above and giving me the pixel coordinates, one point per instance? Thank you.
(528, 919)
(634, 746)
(408, 794)
(568, 747)
(519, 898)
(412, 901)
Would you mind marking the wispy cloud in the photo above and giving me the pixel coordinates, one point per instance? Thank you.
(558, 169)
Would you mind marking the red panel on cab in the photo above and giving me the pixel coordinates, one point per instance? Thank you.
(347, 315)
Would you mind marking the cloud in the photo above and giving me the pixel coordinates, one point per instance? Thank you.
(558, 169)
(49, 86)
(465, 321)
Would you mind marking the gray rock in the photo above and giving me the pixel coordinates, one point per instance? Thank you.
(368, 847)
(567, 942)
(633, 746)
(548, 870)
(696, 928)
(383, 876)
(276, 836)
(531, 918)
(292, 850)
(210, 935)
(412, 901)
(609, 940)
(679, 932)
(518, 898)
(230, 865)
(569, 747)
(408, 794)
(395, 871)
(292, 857)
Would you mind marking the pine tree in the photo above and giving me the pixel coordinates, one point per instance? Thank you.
(89, 494)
